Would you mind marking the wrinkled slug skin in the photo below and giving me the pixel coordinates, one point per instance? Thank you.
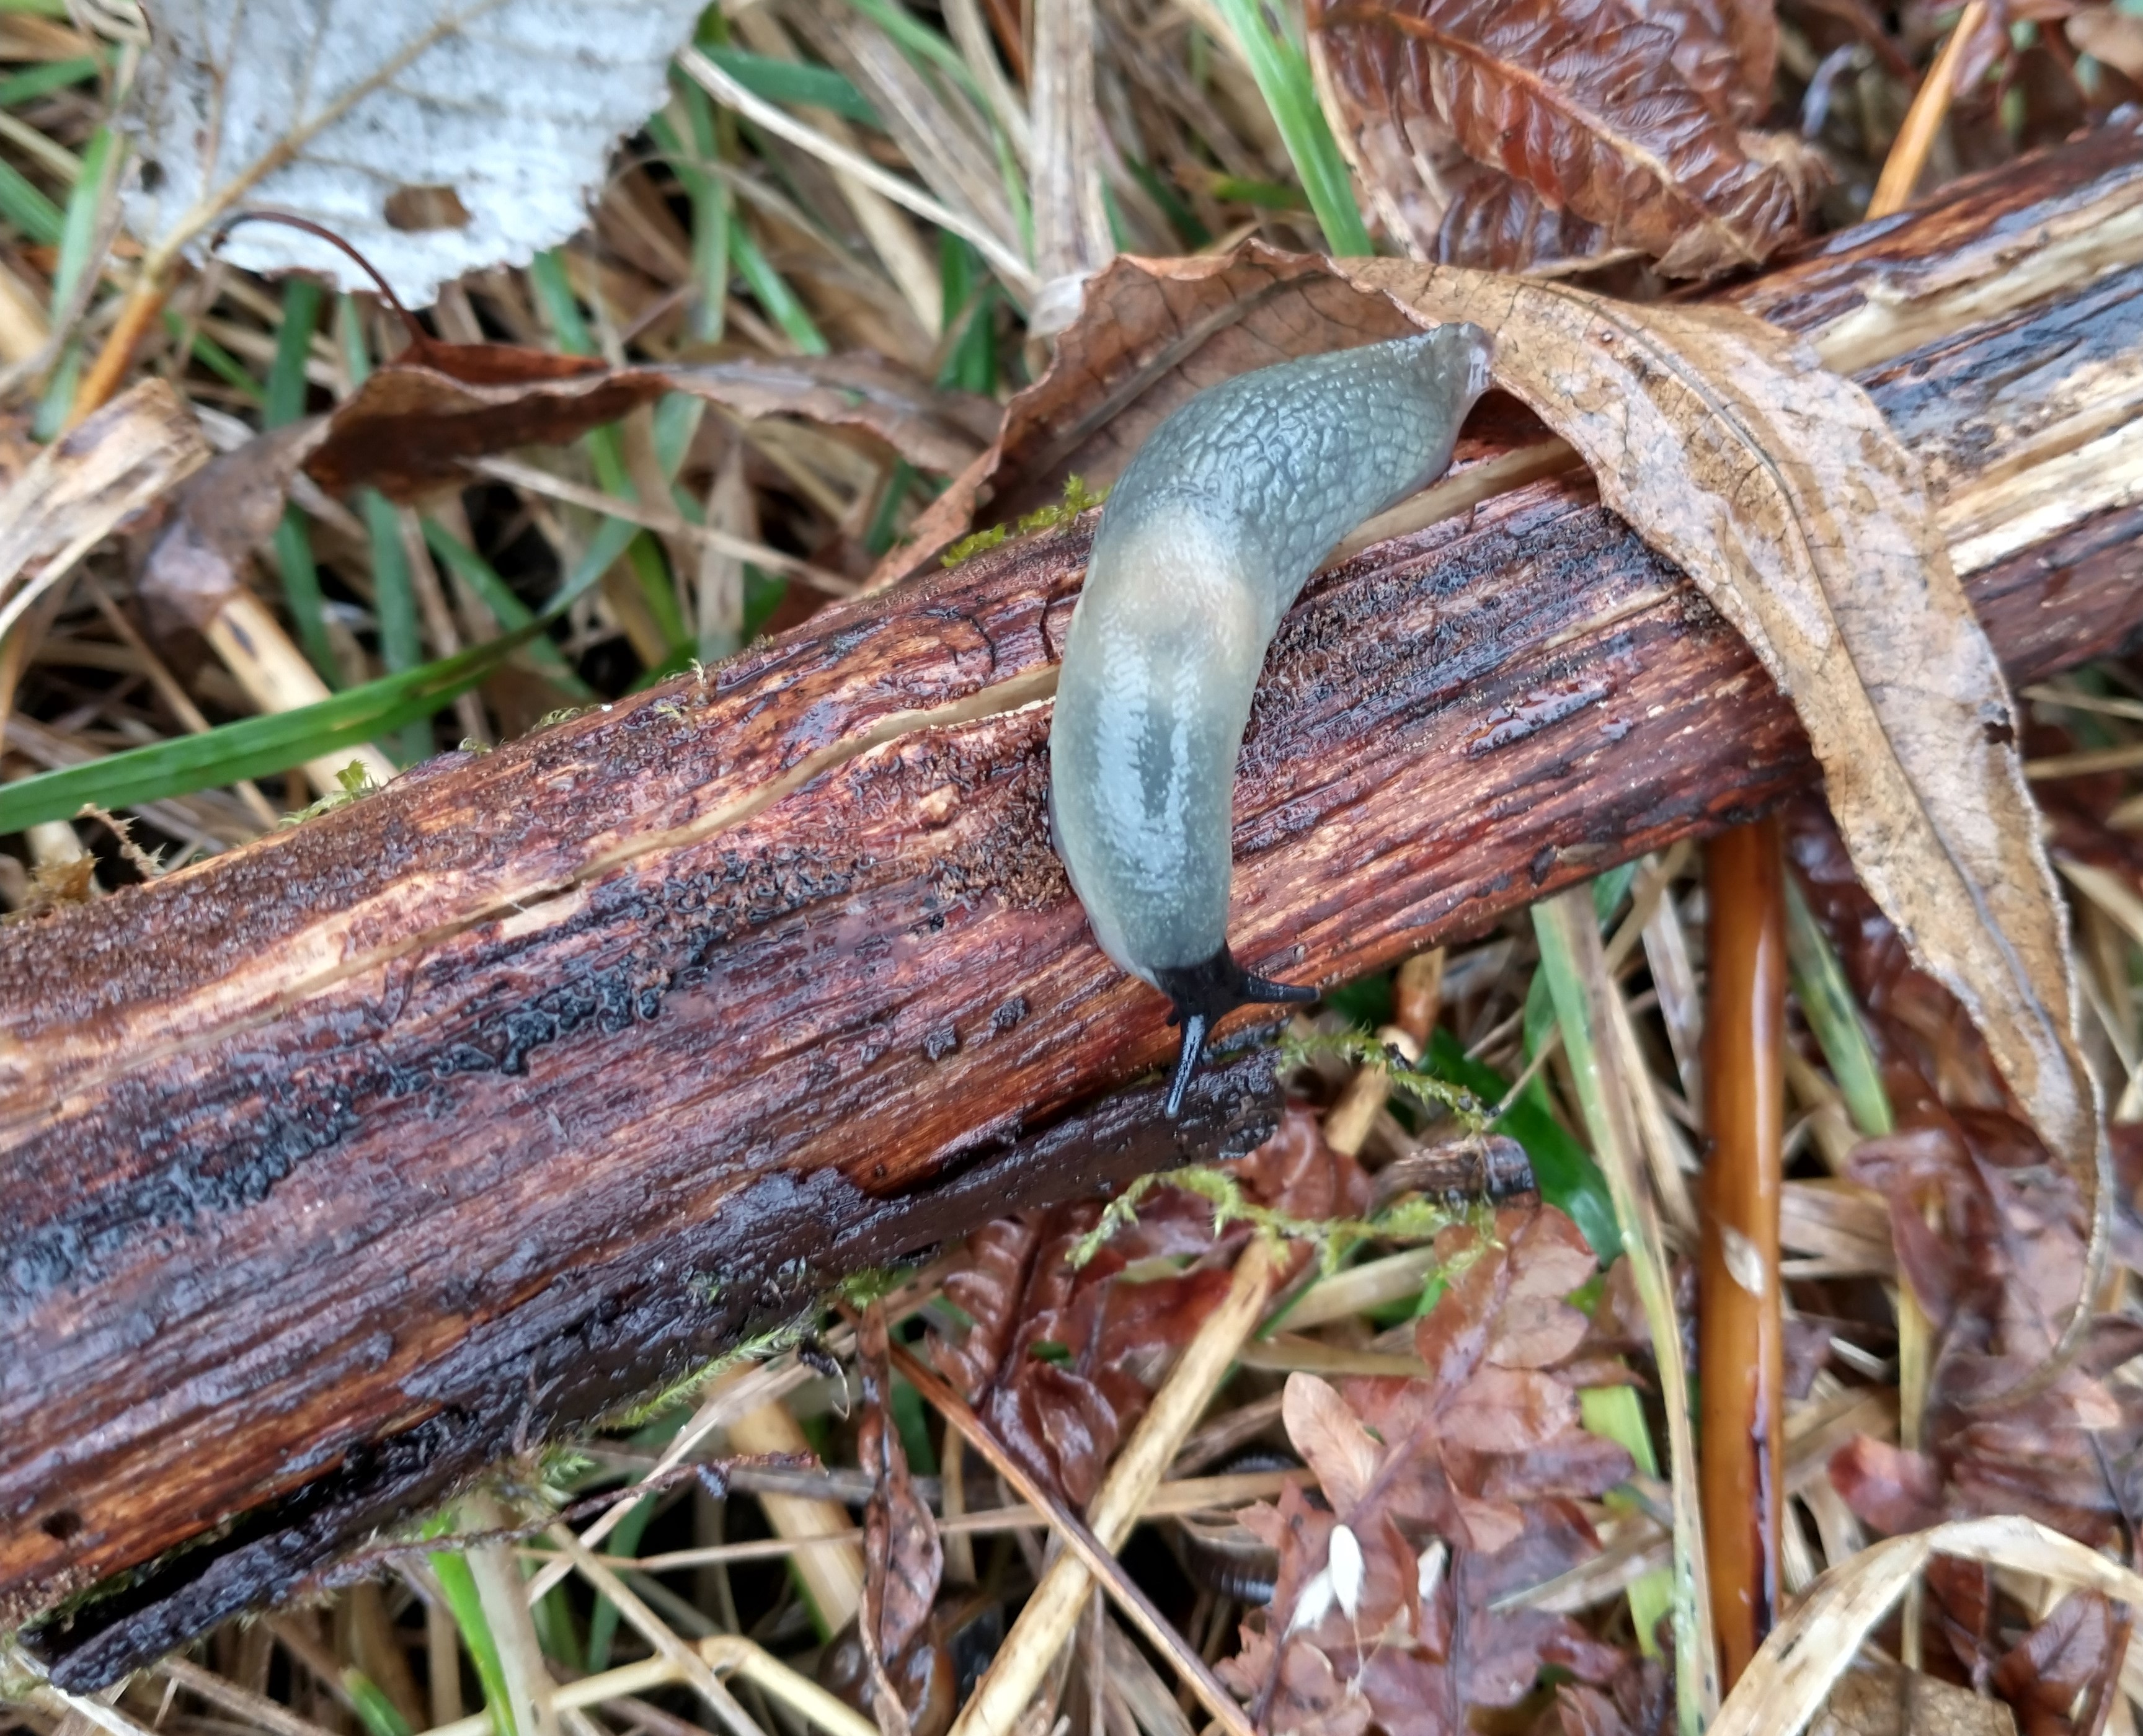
(1206, 539)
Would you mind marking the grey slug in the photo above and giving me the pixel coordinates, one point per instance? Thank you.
(1208, 536)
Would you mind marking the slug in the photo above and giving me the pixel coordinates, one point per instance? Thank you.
(1208, 536)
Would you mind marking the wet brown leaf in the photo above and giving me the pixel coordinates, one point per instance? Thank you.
(1623, 115)
(1997, 1269)
(1061, 1361)
(1888, 1487)
(415, 425)
(2001, 1263)
(1500, 224)
(903, 1559)
(1297, 1173)
(1637, 1703)
(2074, 1648)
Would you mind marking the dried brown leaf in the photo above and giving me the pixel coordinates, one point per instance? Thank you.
(1331, 1440)
(903, 1559)
(1779, 489)
(1883, 1700)
(225, 512)
(1624, 121)
(416, 425)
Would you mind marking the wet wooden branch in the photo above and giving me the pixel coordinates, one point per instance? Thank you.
(344, 1165)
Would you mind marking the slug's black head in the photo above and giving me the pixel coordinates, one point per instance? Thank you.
(1205, 993)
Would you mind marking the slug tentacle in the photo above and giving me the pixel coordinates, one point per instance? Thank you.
(1208, 537)
(1206, 992)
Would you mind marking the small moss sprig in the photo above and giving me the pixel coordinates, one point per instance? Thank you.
(1077, 498)
(1411, 1219)
(356, 783)
(1358, 1049)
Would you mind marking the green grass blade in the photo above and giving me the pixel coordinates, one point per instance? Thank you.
(709, 197)
(78, 234)
(459, 1583)
(603, 1618)
(554, 290)
(214, 357)
(1826, 1002)
(794, 81)
(285, 402)
(29, 208)
(258, 747)
(772, 293)
(1282, 71)
(255, 747)
(1569, 1180)
(1269, 194)
(77, 238)
(394, 607)
(506, 609)
(302, 592)
(373, 1709)
(42, 81)
(1566, 926)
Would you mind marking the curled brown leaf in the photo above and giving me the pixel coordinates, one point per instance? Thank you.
(1624, 116)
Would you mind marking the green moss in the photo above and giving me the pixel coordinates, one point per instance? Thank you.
(356, 783)
(1077, 498)
(1414, 1219)
(981, 543)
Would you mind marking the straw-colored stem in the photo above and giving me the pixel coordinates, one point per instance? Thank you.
(1915, 138)
(1048, 1619)
(832, 1578)
(276, 677)
(1568, 930)
(136, 314)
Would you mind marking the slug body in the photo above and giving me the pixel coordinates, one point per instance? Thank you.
(1207, 538)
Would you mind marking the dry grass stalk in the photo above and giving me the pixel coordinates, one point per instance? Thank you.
(1047, 1620)
(833, 1576)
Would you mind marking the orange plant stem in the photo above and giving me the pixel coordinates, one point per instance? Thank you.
(1740, 1339)
(143, 303)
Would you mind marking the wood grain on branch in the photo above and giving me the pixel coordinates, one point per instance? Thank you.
(347, 1162)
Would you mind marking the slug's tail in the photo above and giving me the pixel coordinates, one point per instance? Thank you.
(1204, 993)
